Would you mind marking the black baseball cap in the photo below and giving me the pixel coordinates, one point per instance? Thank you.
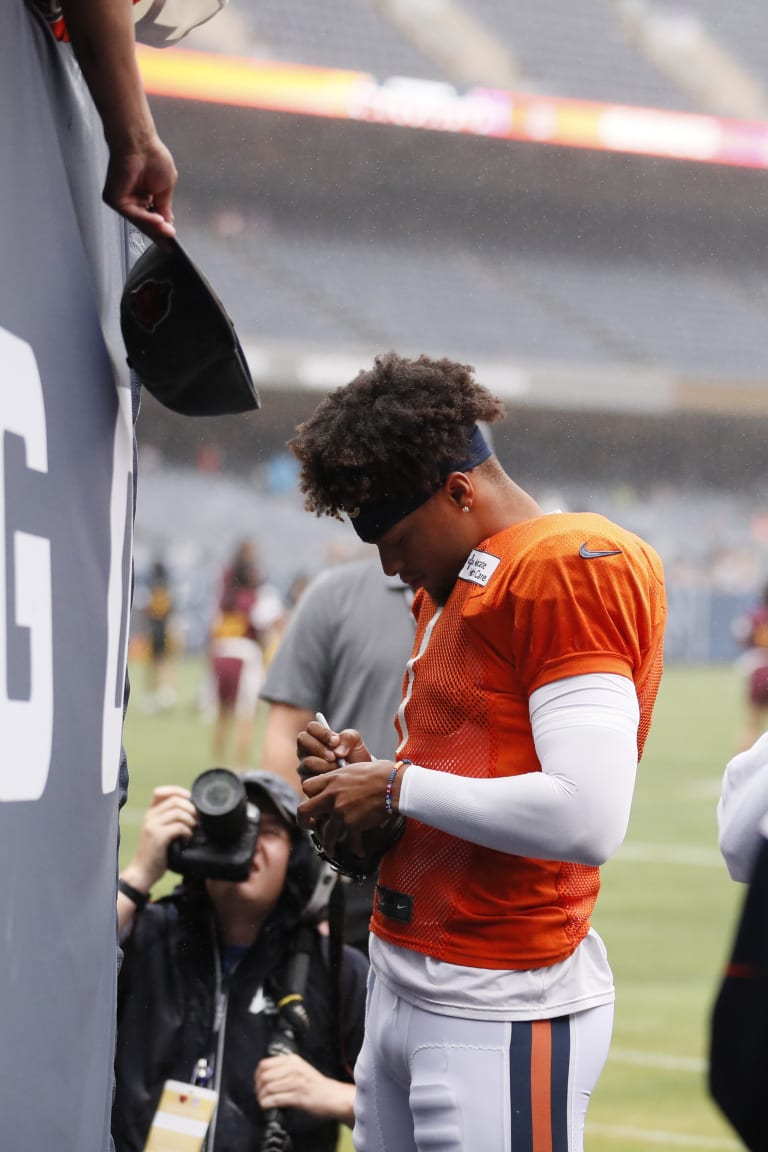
(278, 791)
(180, 339)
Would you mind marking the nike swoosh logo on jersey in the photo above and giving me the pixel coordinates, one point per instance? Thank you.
(588, 554)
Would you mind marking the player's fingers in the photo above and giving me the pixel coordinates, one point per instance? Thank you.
(313, 766)
(316, 740)
(351, 746)
(314, 811)
(315, 784)
(330, 828)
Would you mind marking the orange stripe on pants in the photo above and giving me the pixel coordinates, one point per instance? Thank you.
(541, 1085)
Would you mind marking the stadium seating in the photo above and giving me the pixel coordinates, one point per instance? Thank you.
(332, 35)
(308, 280)
(327, 288)
(741, 26)
(578, 50)
(588, 51)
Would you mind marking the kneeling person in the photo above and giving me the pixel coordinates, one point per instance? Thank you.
(205, 972)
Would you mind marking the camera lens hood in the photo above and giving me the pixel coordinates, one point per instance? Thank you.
(220, 800)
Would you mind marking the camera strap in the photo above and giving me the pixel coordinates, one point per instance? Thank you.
(226, 961)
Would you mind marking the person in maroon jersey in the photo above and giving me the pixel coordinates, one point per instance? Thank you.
(248, 611)
(751, 631)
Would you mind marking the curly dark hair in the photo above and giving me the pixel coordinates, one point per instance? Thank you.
(390, 432)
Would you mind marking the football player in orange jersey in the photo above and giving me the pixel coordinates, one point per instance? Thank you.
(526, 703)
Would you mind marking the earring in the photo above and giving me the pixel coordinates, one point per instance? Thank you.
(465, 508)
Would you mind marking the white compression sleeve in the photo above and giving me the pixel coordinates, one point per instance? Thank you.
(577, 808)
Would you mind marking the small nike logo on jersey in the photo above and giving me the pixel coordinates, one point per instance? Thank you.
(588, 554)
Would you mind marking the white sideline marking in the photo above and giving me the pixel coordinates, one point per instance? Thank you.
(646, 853)
(705, 789)
(671, 854)
(648, 1136)
(657, 1060)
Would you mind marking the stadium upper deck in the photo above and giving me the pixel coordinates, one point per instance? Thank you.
(576, 278)
(625, 51)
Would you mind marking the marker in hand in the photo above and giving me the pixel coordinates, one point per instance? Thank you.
(340, 760)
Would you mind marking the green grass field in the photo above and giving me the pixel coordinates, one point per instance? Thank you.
(666, 911)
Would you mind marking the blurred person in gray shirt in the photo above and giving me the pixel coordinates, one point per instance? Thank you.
(343, 653)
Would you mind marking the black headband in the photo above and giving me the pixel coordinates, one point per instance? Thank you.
(372, 519)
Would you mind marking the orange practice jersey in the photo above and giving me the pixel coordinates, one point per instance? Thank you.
(557, 596)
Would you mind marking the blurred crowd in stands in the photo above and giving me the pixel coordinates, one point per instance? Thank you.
(714, 544)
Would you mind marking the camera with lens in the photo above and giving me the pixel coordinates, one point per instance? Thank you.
(224, 841)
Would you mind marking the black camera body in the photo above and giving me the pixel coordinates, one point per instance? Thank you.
(223, 844)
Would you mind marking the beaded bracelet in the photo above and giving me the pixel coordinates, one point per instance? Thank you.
(390, 783)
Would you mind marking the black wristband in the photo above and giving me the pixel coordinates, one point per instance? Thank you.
(133, 894)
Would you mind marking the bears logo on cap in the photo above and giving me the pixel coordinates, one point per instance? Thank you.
(150, 303)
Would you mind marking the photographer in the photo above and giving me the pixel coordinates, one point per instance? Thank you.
(206, 972)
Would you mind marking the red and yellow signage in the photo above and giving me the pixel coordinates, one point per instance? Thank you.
(439, 107)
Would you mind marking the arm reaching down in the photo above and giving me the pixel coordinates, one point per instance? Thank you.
(142, 174)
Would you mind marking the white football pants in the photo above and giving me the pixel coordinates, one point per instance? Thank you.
(431, 1083)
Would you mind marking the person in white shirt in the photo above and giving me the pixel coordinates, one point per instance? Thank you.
(742, 809)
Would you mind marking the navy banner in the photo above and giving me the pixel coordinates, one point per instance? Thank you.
(66, 493)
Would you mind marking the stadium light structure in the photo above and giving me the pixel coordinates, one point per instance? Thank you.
(420, 104)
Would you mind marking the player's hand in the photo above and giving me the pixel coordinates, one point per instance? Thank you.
(171, 815)
(319, 749)
(139, 185)
(352, 796)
